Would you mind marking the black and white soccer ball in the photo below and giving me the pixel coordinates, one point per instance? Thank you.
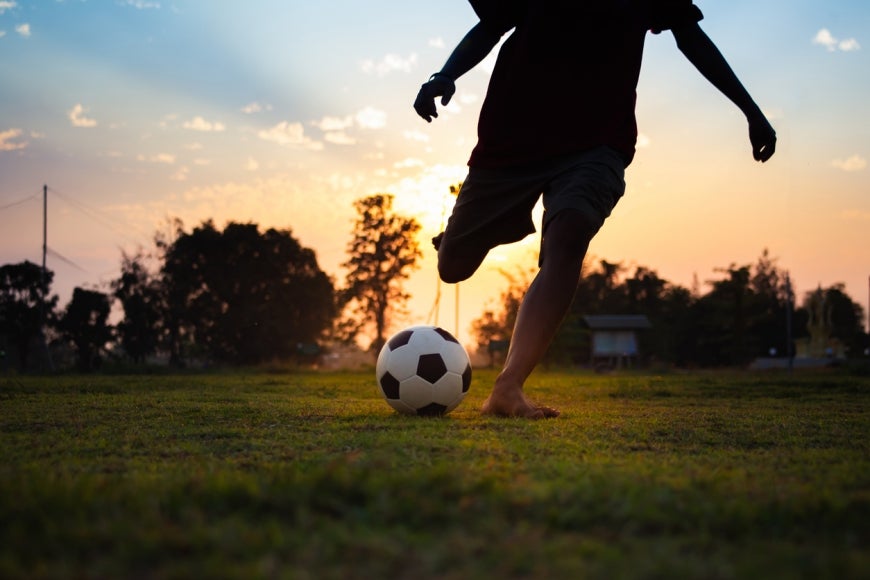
(423, 370)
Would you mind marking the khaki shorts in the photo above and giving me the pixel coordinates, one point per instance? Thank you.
(494, 206)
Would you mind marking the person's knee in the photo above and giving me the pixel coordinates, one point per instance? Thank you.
(454, 267)
(568, 235)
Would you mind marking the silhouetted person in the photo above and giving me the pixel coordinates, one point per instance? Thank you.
(558, 120)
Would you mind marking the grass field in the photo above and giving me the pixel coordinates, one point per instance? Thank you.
(707, 475)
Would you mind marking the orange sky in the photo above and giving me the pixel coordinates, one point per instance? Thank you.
(133, 112)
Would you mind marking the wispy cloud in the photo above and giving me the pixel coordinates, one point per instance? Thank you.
(436, 42)
(142, 4)
(416, 136)
(78, 119)
(289, 134)
(200, 124)
(256, 107)
(409, 163)
(163, 158)
(339, 138)
(824, 38)
(853, 163)
(181, 174)
(335, 128)
(2, 33)
(371, 118)
(7, 5)
(390, 63)
(8, 140)
(334, 123)
(23, 30)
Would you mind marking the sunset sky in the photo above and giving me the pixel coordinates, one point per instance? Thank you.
(284, 112)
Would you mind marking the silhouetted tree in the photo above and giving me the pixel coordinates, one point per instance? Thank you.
(667, 307)
(140, 295)
(242, 296)
(383, 251)
(744, 315)
(845, 317)
(768, 283)
(22, 312)
(722, 319)
(85, 324)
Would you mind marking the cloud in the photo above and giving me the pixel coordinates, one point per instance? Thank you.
(252, 164)
(7, 5)
(409, 163)
(643, 141)
(335, 128)
(824, 38)
(416, 136)
(164, 158)
(23, 30)
(371, 118)
(256, 107)
(142, 4)
(849, 45)
(289, 134)
(334, 123)
(390, 63)
(7, 140)
(853, 163)
(436, 42)
(2, 33)
(78, 119)
(339, 138)
(200, 124)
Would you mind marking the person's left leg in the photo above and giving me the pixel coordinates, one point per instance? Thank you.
(579, 199)
(541, 312)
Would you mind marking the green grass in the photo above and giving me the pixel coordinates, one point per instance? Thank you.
(708, 475)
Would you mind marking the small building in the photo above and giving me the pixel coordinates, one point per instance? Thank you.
(614, 339)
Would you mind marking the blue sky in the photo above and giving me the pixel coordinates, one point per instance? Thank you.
(283, 113)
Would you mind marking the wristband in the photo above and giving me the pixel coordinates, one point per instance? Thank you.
(440, 74)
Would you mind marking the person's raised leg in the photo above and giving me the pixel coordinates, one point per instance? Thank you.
(544, 306)
(457, 262)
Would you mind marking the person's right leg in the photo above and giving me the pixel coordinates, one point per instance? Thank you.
(493, 207)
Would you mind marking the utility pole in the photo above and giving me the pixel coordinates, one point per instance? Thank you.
(44, 235)
(44, 311)
(789, 300)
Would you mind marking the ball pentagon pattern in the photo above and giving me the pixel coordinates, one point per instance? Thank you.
(423, 370)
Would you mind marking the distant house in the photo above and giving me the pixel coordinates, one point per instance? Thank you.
(614, 339)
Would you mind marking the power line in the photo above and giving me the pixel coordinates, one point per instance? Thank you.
(99, 216)
(62, 258)
(19, 202)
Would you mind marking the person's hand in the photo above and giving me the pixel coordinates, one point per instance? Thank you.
(438, 86)
(762, 136)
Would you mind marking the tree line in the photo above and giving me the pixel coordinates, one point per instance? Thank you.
(242, 296)
(236, 296)
(748, 312)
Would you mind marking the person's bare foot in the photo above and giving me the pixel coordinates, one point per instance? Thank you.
(514, 403)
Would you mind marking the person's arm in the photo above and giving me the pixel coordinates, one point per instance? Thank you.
(701, 52)
(472, 49)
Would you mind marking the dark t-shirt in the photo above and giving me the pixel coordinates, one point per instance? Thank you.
(565, 80)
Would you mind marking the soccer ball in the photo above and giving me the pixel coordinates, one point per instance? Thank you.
(423, 370)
